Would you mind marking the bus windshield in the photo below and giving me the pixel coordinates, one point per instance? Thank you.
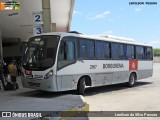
(40, 52)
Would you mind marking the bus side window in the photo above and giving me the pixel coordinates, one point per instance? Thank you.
(140, 52)
(133, 52)
(90, 49)
(66, 53)
(114, 49)
(149, 53)
(121, 51)
(107, 51)
(86, 49)
(117, 51)
(61, 51)
(99, 50)
(82, 49)
(130, 52)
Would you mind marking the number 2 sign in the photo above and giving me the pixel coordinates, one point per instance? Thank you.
(37, 17)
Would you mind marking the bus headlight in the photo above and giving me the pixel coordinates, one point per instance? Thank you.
(49, 74)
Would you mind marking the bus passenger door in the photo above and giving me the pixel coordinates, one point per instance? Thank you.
(66, 58)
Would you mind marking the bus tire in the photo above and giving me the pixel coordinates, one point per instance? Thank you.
(132, 80)
(81, 86)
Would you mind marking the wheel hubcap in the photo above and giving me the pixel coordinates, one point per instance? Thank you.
(132, 80)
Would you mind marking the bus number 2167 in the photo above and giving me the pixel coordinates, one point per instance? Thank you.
(93, 66)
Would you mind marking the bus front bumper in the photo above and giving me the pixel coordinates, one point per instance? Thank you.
(48, 84)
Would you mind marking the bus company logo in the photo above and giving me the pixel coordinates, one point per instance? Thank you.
(117, 65)
(10, 5)
(133, 65)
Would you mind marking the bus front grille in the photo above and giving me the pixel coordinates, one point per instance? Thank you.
(34, 84)
(39, 77)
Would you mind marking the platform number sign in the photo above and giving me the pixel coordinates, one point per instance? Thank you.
(37, 23)
(38, 30)
(37, 17)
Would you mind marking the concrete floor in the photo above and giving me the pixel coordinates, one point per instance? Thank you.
(145, 96)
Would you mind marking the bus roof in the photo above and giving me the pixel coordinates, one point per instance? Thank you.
(109, 38)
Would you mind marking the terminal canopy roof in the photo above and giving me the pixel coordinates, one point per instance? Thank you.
(19, 23)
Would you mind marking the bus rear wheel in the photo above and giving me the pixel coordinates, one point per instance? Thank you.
(132, 80)
(81, 86)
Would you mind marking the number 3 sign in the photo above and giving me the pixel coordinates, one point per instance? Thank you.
(38, 30)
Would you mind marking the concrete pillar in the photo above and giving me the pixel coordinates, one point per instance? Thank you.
(53, 27)
(46, 16)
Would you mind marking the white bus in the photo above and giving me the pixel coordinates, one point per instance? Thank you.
(71, 61)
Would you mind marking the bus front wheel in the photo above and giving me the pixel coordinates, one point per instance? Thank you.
(81, 86)
(132, 80)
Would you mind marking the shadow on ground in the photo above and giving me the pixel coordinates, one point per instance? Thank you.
(110, 88)
(88, 91)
